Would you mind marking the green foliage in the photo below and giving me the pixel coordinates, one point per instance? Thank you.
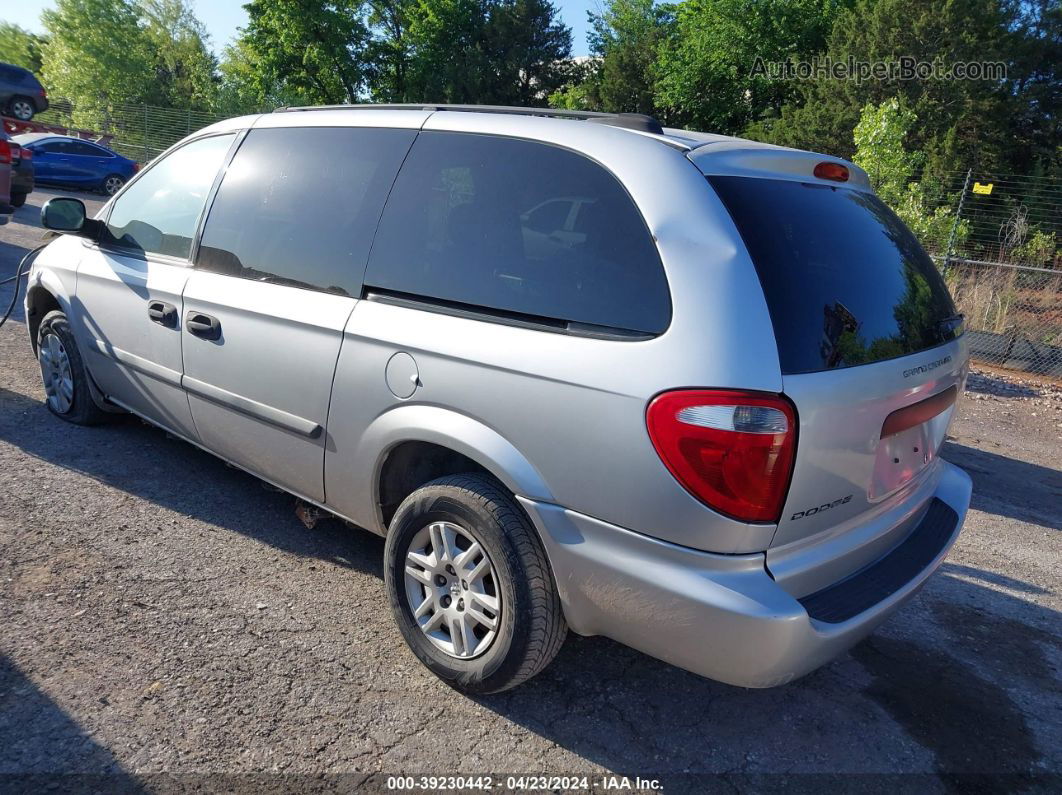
(242, 89)
(105, 52)
(96, 53)
(705, 70)
(20, 47)
(508, 52)
(624, 39)
(485, 51)
(1041, 249)
(1005, 125)
(880, 141)
(185, 70)
(388, 55)
(314, 50)
(529, 48)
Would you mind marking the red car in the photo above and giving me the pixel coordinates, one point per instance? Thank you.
(5, 179)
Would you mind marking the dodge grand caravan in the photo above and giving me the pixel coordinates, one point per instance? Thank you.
(682, 390)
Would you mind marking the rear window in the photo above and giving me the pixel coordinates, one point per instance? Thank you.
(846, 282)
(518, 227)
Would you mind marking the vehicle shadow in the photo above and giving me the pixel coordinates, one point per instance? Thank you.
(967, 653)
(45, 748)
(1009, 487)
(142, 460)
(949, 685)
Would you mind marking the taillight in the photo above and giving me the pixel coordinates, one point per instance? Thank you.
(5, 153)
(16, 152)
(835, 171)
(27, 154)
(731, 450)
(136, 167)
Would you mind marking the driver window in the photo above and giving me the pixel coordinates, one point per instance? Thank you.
(158, 213)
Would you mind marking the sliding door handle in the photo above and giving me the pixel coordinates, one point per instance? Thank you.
(204, 326)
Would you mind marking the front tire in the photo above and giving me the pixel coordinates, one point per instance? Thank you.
(66, 384)
(470, 586)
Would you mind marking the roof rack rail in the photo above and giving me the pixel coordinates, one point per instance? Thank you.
(630, 121)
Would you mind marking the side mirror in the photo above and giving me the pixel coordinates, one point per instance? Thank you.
(65, 215)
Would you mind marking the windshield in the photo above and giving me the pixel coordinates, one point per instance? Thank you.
(846, 282)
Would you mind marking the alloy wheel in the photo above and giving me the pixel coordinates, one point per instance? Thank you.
(56, 372)
(111, 185)
(452, 589)
(22, 110)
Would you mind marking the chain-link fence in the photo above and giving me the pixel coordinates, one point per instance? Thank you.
(137, 131)
(1013, 314)
(1003, 264)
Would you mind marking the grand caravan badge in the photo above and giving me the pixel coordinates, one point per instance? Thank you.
(925, 368)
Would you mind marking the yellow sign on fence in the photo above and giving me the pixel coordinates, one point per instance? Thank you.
(983, 189)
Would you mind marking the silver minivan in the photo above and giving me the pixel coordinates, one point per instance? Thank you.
(682, 390)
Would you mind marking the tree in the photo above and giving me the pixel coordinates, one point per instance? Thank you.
(388, 54)
(484, 51)
(314, 49)
(705, 76)
(106, 52)
(20, 47)
(185, 70)
(449, 60)
(624, 39)
(242, 89)
(881, 151)
(1005, 124)
(529, 47)
(96, 53)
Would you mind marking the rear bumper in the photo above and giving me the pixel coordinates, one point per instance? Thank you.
(723, 616)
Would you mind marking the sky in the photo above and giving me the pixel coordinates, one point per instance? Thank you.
(222, 17)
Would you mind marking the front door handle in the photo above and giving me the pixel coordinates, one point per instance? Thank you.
(162, 313)
(204, 326)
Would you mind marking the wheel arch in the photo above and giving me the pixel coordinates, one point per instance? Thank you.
(43, 296)
(418, 443)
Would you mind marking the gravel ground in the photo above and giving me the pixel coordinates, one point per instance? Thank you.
(162, 613)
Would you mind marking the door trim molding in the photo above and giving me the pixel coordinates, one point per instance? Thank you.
(215, 394)
(139, 363)
(245, 405)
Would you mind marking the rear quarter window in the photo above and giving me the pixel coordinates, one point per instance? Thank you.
(846, 282)
(521, 227)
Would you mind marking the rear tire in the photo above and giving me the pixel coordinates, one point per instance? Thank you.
(111, 184)
(22, 108)
(18, 199)
(66, 384)
(528, 625)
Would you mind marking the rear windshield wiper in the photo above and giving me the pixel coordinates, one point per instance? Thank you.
(951, 327)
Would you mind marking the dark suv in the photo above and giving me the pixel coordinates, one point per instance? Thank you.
(21, 93)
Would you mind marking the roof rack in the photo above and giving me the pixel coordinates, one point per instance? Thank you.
(630, 121)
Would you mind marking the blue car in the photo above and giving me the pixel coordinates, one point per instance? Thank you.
(62, 160)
